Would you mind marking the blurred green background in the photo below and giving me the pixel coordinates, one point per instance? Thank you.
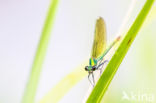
(21, 23)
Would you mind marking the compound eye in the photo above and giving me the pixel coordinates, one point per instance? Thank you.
(94, 68)
(86, 68)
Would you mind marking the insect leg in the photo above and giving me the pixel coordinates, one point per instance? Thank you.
(93, 79)
(92, 83)
(100, 66)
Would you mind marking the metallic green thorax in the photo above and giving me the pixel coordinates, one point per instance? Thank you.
(92, 62)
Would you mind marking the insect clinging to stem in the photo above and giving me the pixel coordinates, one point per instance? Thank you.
(99, 49)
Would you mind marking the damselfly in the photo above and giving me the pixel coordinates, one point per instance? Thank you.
(99, 50)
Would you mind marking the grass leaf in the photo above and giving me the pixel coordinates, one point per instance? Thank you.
(30, 91)
(105, 79)
(63, 86)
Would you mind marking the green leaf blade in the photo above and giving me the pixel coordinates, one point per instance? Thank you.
(31, 88)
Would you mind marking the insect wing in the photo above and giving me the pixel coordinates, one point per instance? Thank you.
(99, 43)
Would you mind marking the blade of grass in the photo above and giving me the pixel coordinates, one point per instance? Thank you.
(105, 79)
(63, 86)
(31, 88)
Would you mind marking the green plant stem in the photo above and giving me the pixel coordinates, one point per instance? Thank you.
(31, 88)
(107, 76)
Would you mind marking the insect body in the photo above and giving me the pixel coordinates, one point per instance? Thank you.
(98, 50)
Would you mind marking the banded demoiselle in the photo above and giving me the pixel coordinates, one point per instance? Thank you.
(99, 49)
